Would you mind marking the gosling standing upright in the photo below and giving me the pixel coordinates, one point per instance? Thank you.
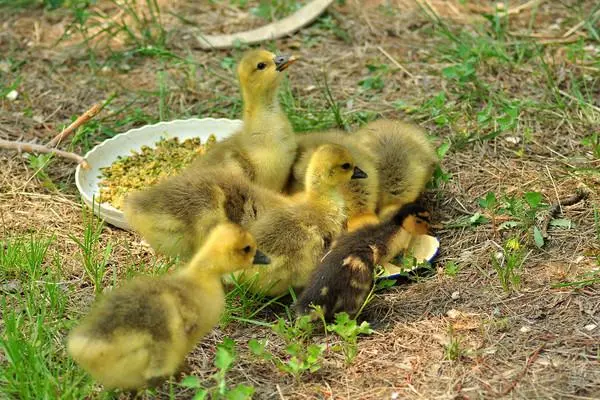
(264, 149)
(175, 215)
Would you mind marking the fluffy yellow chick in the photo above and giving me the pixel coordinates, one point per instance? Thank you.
(360, 195)
(139, 334)
(264, 149)
(176, 215)
(295, 236)
(405, 161)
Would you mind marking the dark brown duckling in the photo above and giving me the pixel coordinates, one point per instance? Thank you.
(345, 274)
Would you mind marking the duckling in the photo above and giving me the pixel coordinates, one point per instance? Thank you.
(176, 215)
(361, 195)
(295, 236)
(263, 150)
(404, 158)
(344, 276)
(139, 334)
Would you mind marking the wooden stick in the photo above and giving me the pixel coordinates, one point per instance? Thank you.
(89, 114)
(275, 30)
(393, 60)
(36, 148)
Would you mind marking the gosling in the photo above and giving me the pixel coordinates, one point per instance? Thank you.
(295, 236)
(139, 334)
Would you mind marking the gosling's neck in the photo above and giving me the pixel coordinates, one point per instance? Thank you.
(200, 271)
(258, 108)
(317, 191)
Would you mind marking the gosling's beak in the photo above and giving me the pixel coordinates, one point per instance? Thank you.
(261, 258)
(359, 174)
(282, 62)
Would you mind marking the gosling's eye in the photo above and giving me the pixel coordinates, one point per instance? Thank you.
(346, 166)
(247, 249)
(261, 66)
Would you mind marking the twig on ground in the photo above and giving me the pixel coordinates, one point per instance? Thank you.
(394, 61)
(530, 360)
(555, 210)
(280, 392)
(522, 7)
(574, 29)
(36, 148)
(275, 30)
(85, 117)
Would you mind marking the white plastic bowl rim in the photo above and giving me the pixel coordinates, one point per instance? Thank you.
(107, 152)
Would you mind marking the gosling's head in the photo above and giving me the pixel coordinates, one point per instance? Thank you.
(260, 72)
(414, 218)
(231, 248)
(332, 165)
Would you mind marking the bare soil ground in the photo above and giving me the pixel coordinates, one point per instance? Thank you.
(540, 341)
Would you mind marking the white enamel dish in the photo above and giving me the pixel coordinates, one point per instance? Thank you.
(424, 248)
(107, 152)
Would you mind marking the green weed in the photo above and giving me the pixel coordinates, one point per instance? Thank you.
(522, 210)
(49, 4)
(272, 10)
(300, 356)
(163, 111)
(509, 263)
(439, 175)
(451, 268)
(375, 81)
(593, 142)
(453, 350)
(439, 109)
(588, 279)
(348, 330)
(224, 360)
(39, 164)
(333, 105)
(34, 322)
(23, 259)
(140, 24)
(244, 304)
(306, 115)
(327, 23)
(94, 256)
(7, 87)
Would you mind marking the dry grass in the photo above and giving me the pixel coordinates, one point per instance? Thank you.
(532, 343)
